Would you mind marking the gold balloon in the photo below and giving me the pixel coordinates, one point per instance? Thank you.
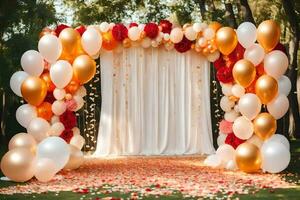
(34, 90)
(266, 88)
(22, 140)
(18, 164)
(226, 40)
(264, 126)
(268, 34)
(84, 68)
(248, 157)
(244, 72)
(70, 39)
(76, 158)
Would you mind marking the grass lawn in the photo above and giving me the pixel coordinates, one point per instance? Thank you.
(291, 174)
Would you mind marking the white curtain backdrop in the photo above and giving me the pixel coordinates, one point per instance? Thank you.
(154, 102)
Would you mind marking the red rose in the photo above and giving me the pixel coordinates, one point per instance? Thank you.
(151, 30)
(166, 26)
(59, 28)
(220, 62)
(280, 47)
(237, 54)
(68, 119)
(49, 97)
(184, 45)
(119, 32)
(80, 29)
(224, 75)
(234, 141)
(67, 135)
(132, 24)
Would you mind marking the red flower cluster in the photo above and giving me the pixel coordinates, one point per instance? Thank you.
(67, 135)
(183, 46)
(234, 141)
(151, 30)
(80, 29)
(68, 119)
(220, 62)
(49, 97)
(224, 75)
(237, 54)
(132, 24)
(119, 32)
(280, 47)
(166, 26)
(59, 28)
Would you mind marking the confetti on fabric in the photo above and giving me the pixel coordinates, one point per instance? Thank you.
(144, 176)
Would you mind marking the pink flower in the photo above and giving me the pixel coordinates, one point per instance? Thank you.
(225, 127)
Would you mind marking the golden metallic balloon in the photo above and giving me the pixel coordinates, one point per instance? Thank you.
(18, 164)
(70, 39)
(76, 158)
(266, 88)
(126, 43)
(226, 40)
(244, 72)
(215, 26)
(248, 157)
(34, 90)
(264, 126)
(268, 34)
(84, 68)
(22, 140)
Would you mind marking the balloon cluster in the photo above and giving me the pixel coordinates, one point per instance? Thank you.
(252, 78)
(52, 85)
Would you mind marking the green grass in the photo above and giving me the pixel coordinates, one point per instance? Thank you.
(291, 174)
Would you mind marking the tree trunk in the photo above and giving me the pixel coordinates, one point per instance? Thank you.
(248, 13)
(230, 17)
(202, 8)
(288, 6)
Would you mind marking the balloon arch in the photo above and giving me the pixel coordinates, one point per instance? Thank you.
(52, 83)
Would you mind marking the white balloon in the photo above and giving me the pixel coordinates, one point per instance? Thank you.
(231, 115)
(275, 157)
(256, 141)
(32, 63)
(226, 152)
(141, 27)
(77, 141)
(226, 104)
(146, 43)
(197, 27)
(242, 128)
(176, 35)
(80, 102)
(281, 139)
(61, 73)
(255, 54)
(91, 41)
(50, 47)
(54, 119)
(81, 91)
(227, 89)
(56, 129)
(25, 113)
(59, 94)
(134, 33)
(276, 63)
(38, 128)
(209, 33)
(213, 161)
(59, 107)
(278, 106)
(56, 149)
(221, 139)
(16, 81)
(111, 25)
(104, 27)
(246, 34)
(284, 85)
(249, 105)
(238, 90)
(212, 57)
(44, 169)
(236, 108)
(190, 34)
(231, 165)
(166, 36)
(76, 131)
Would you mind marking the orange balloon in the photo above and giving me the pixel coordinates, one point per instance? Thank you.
(268, 34)
(108, 41)
(265, 125)
(47, 79)
(215, 26)
(72, 87)
(226, 40)
(248, 157)
(84, 68)
(70, 39)
(244, 72)
(266, 88)
(45, 111)
(34, 90)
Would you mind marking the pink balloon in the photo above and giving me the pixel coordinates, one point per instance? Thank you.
(276, 63)
(44, 169)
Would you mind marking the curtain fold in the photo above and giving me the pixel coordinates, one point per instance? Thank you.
(154, 102)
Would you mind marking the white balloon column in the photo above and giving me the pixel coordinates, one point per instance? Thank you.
(247, 139)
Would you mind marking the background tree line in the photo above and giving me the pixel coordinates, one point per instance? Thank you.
(22, 20)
